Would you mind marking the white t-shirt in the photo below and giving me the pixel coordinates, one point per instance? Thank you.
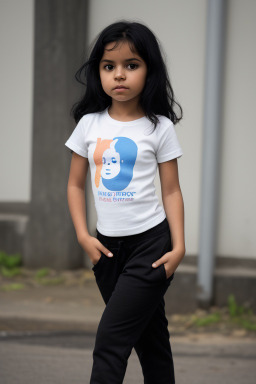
(123, 159)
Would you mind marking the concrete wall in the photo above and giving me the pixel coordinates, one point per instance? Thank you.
(180, 26)
(237, 221)
(16, 79)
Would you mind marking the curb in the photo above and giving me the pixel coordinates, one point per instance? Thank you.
(31, 325)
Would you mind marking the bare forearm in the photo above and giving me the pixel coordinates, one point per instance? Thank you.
(77, 207)
(174, 209)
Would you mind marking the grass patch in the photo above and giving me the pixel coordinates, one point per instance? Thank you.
(51, 281)
(241, 315)
(10, 264)
(232, 316)
(13, 287)
(46, 276)
(10, 272)
(208, 319)
(42, 273)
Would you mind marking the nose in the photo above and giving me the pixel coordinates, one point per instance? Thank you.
(119, 73)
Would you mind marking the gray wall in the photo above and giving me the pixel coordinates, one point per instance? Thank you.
(237, 208)
(16, 79)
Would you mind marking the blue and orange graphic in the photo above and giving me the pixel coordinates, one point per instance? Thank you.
(115, 160)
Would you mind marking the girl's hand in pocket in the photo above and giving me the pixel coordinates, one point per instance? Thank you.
(93, 247)
(171, 260)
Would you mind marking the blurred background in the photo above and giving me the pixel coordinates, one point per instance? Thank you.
(44, 42)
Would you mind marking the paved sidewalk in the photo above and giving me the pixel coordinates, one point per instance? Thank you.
(52, 308)
(74, 304)
(51, 329)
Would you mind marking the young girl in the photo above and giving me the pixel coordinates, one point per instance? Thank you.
(125, 130)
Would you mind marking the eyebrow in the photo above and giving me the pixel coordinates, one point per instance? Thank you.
(111, 61)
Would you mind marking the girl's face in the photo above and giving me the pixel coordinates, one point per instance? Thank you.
(122, 73)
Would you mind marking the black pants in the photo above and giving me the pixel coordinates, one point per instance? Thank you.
(134, 315)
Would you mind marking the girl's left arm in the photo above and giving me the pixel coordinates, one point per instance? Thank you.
(174, 209)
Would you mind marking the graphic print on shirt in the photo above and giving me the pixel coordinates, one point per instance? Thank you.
(115, 160)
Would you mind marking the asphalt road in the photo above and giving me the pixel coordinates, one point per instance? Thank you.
(66, 358)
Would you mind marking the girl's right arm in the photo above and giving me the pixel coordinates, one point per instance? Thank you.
(76, 202)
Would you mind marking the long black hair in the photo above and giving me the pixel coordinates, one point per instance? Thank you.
(157, 97)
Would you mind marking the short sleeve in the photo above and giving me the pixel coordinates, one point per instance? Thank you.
(77, 140)
(168, 147)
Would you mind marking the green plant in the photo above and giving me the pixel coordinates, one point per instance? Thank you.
(10, 272)
(42, 273)
(249, 324)
(13, 287)
(207, 320)
(51, 281)
(10, 261)
(234, 308)
(42, 277)
(241, 315)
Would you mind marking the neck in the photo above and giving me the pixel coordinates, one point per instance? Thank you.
(125, 111)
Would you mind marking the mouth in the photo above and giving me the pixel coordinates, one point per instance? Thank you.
(120, 87)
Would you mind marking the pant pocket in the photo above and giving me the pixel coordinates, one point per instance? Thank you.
(107, 271)
(159, 246)
(95, 266)
(106, 262)
(162, 268)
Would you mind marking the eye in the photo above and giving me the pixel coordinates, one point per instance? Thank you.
(103, 160)
(109, 67)
(113, 160)
(132, 66)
